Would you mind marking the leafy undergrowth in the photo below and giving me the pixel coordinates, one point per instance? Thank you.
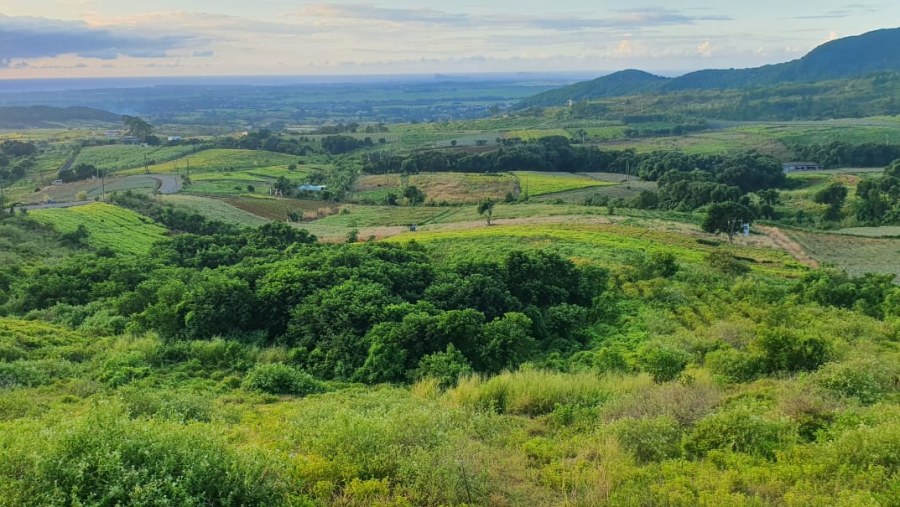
(133, 420)
(582, 365)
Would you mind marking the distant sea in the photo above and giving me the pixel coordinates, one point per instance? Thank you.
(15, 86)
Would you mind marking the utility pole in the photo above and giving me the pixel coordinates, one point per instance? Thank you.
(102, 185)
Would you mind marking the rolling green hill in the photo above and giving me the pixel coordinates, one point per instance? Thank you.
(850, 57)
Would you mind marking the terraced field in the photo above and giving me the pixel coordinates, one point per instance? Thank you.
(221, 160)
(857, 255)
(120, 157)
(535, 184)
(589, 243)
(440, 187)
(118, 229)
(216, 209)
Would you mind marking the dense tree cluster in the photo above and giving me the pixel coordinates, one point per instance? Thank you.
(844, 154)
(879, 198)
(337, 145)
(16, 157)
(369, 312)
(77, 172)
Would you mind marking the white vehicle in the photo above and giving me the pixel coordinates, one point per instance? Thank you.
(57, 182)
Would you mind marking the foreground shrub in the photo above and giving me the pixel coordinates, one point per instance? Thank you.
(739, 430)
(650, 440)
(110, 460)
(685, 403)
(279, 378)
(445, 367)
(734, 365)
(788, 350)
(866, 379)
(531, 392)
(662, 362)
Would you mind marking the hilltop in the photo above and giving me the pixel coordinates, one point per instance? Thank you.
(850, 57)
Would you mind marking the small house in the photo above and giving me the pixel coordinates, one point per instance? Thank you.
(790, 167)
(312, 188)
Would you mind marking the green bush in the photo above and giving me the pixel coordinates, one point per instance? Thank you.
(734, 365)
(867, 379)
(727, 264)
(23, 373)
(175, 405)
(659, 265)
(785, 349)
(109, 460)
(531, 392)
(445, 367)
(664, 363)
(650, 440)
(279, 378)
(740, 429)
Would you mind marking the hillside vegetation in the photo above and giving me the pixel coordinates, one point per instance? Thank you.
(585, 365)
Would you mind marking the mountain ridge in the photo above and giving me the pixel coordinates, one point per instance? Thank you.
(854, 56)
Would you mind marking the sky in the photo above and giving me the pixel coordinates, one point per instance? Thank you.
(124, 38)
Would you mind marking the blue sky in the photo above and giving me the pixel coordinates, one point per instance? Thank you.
(94, 38)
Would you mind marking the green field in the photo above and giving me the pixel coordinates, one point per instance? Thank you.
(120, 157)
(215, 209)
(118, 229)
(452, 188)
(603, 244)
(857, 255)
(223, 160)
(535, 184)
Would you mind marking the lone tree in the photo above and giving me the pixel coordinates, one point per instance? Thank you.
(137, 127)
(833, 196)
(486, 209)
(727, 217)
(413, 195)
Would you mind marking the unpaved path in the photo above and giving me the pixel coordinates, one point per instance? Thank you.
(781, 240)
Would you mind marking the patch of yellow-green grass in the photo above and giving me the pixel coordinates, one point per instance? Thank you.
(118, 156)
(219, 160)
(108, 226)
(534, 134)
(885, 231)
(215, 209)
(604, 244)
(541, 183)
(438, 187)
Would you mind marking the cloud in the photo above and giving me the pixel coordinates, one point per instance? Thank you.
(705, 49)
(371, 12)
(619, 19)
(624, 19)
(843, 12)
(31, 37)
